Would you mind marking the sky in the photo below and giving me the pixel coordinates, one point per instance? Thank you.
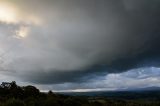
(80, 45)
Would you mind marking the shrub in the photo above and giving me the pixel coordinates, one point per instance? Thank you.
(14, 102)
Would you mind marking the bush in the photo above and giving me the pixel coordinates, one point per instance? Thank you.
(14, 102)
(51, 102)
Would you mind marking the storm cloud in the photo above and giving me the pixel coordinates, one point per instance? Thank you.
(65, 41)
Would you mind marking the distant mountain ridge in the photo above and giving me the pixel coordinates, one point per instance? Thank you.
(152, 88)
(141, 93)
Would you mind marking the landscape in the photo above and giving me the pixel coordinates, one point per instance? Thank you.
(79, 52)
(14, 95)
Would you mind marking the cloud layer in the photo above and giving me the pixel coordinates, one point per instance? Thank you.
(63, 41)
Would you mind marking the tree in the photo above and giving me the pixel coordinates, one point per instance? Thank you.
(30, 91)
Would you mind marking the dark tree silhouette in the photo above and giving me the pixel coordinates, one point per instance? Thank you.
(31, 91)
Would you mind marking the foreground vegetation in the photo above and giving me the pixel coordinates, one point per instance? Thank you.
(13, 95)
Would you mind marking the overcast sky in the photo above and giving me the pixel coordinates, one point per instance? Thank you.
(80, 45)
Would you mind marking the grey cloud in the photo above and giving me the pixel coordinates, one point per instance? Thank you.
(78, 35)
(132, 79)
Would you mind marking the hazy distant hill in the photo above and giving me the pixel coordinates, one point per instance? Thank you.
(153, 88)
(141, 93)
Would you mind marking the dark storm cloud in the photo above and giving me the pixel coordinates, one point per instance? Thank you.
(79, 39)
(60, 77)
